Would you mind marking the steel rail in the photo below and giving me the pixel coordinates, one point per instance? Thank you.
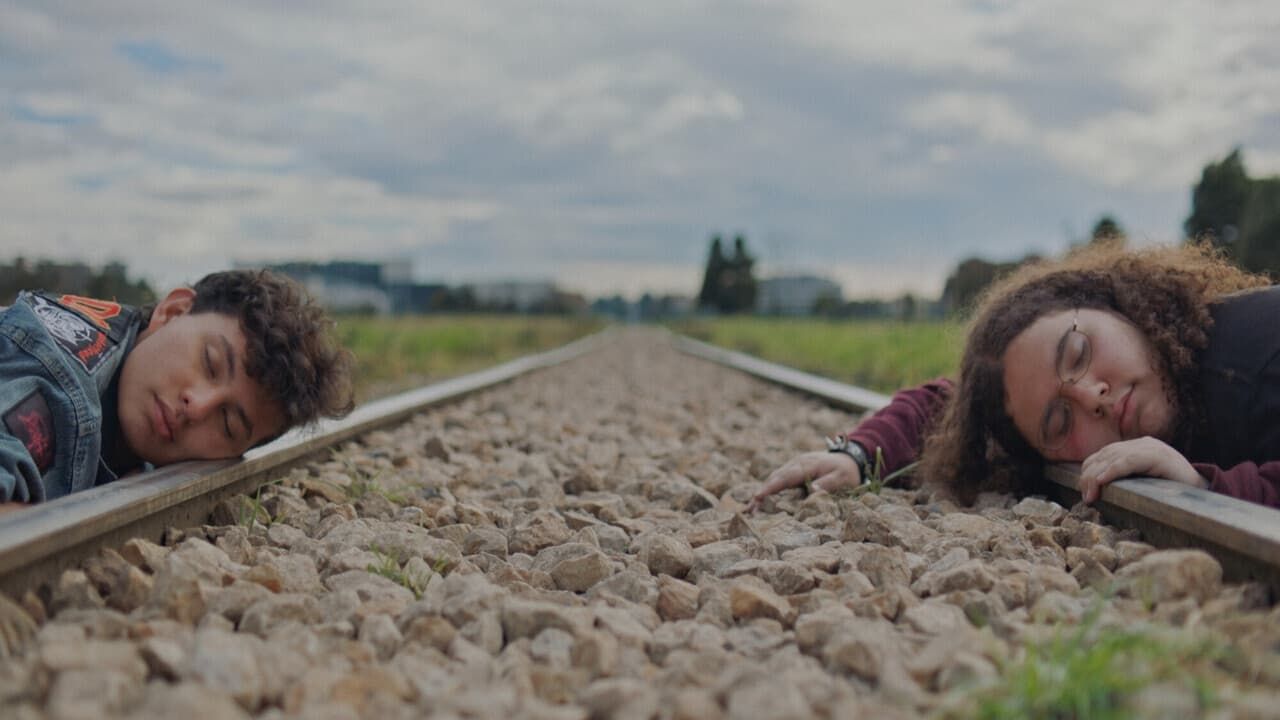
(1243, 536)
(38, 543)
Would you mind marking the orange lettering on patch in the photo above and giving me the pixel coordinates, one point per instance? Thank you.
(90, 352)
(99, 311)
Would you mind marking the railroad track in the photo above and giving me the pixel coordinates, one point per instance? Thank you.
(36, 545)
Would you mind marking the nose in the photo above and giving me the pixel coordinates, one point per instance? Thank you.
(1090, 393)
(199, 401)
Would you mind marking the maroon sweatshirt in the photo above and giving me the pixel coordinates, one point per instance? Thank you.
(899, 429)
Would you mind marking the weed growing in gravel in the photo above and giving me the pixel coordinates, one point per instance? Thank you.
(361, 486)
(1091, 672)
(416, 582)
(252, 510)
(363, 483)
(876, 480)
(389, 568)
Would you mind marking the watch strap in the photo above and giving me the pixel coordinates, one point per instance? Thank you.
(842, 444)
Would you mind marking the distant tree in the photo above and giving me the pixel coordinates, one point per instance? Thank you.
(1239, 214)
(738, 285)
(907, 307)
(1258, 244)
(561, 303)
(1218, 202)
(709, 295)
(1107, 230)
(728, 283)
(454, 299)
(827, 305)
(970, 278)
(966, 282)
(614, 306)
(870, 308)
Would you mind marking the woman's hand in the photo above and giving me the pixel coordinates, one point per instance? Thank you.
(828, 470)
(1143, 456)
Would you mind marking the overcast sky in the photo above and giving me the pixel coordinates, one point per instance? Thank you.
(600, 143)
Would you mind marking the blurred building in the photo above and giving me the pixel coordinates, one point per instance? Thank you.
(340, 286)
(349, 286)
(795, 294)
(514, 295)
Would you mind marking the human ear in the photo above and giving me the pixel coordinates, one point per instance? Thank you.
(178, 302)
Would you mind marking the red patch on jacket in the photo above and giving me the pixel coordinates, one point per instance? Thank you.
(99, 312)
(31, 422)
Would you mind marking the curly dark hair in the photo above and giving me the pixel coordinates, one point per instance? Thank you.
(288, 344)
(1165, 292)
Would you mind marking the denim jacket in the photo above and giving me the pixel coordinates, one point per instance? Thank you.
(58, 355)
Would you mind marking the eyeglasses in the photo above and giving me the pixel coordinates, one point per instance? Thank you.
(1071, 362)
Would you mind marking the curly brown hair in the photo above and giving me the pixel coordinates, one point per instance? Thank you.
(288, 344)
(1165, 291)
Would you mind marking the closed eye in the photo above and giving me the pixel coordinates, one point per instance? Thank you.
(1056, 424)
(1077, 356)
(226, 424)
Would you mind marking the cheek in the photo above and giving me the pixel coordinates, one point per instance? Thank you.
(1089, 438)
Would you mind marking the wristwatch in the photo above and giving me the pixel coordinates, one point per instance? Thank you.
(842, 444)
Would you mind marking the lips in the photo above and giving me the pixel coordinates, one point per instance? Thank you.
(160, 420)
(1122, 413)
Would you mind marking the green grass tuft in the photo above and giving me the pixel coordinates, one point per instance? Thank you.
(389, 567)
(1091, 672)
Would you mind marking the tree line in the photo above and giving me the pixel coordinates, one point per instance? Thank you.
(110, 282)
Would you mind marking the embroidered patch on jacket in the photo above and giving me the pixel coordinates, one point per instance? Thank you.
(86, 343)
(99, 312)
(31, 422)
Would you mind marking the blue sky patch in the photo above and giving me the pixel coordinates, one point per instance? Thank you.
(158, 58)
(90, 183)
(23, 113)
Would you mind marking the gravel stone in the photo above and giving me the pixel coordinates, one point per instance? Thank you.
(269, 613)
(664, 554)
(574, 566)
(750, 597)
(228, 662)
(1170, 575)
(677, 599)
(485, 540)
(1039, 511)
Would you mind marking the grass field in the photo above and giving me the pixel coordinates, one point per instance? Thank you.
(394, 354)
(878, 355)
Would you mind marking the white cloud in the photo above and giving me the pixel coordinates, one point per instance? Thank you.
(992, 117)
(924, 37)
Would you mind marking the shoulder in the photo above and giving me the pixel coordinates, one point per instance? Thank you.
(1246, 328)
(93, 333)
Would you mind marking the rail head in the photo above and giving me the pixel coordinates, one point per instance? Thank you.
(832, 392)
(51, 531)
(1244, 536)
